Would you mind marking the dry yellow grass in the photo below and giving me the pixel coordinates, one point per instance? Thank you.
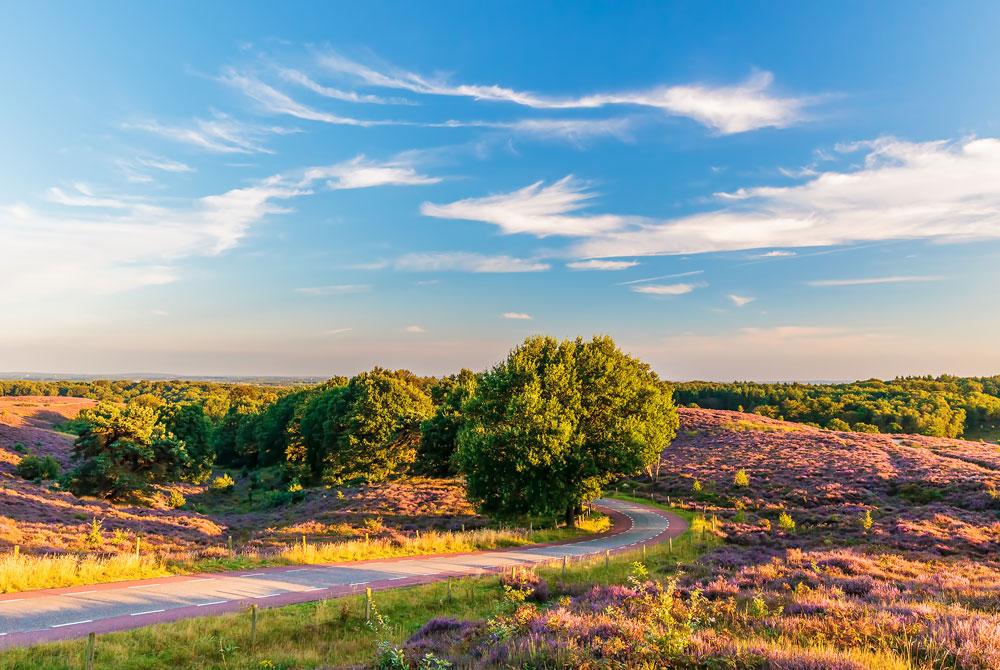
(26, 572)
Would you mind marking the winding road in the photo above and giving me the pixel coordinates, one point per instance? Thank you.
(55, 614)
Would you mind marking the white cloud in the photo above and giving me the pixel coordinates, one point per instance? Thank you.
(88, 251)
(415, 329)
(726, 109)
(94, 243)
(777, 254)
(677, 275)
(596, 264)
(362, 173)
(164, 164)
(935, 190)
(867, 281)
(337, 331)
(740, 300)
(302, 79)
(516, 316)
(334, 289)
(276, 102)
(665, 289)
(466, 262)
(220, 134)
(536, 209)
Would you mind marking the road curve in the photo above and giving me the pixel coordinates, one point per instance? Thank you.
(55, 614)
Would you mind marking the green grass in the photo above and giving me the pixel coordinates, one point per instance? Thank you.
(330, 633)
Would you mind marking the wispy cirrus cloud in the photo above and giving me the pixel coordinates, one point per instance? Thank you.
(516, 316)
(458, 261)
(415, 329)
(88, 241)
(278, 102)
(869, 281)
(749, 105)
(360, 172)
(665, 289)
(300, 78)
(602, 265)
(946, 191)
(220, 134)
(536, 209)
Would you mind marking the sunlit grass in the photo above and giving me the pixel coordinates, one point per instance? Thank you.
(330, 633)
(26, 572)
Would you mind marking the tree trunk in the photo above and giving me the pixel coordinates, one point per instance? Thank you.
(571, 515)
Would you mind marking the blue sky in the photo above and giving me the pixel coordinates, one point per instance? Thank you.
(795, 191)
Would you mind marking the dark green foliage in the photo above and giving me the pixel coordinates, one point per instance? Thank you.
(916, 493)
(38, 468)
(556, 422)
(439, 434)
(187, 422)
(367, 430)
(124, 449)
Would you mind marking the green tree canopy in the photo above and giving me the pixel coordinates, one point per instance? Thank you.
(123, 449)
(366, 430)
(439, 434)
(549, 427)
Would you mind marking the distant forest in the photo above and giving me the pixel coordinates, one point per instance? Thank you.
(943, 406)
(937, 406)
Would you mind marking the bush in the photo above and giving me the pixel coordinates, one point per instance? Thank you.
(861, 427)
(786, 522)
(696, 486)
(741, 479)
(837, 424)
(38, 468)
(222, 483)
(175, 499)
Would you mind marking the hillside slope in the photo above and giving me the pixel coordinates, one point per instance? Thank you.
(40, 518)
(921, 578)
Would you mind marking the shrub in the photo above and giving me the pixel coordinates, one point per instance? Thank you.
(786, 522)
(38, 468)
(837, 424)
(222, 483)
(861, 427)
(866, 520)
(94, 537)
(175, 499)
(741, 479)
(696, 486)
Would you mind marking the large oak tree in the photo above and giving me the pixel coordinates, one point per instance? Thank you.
(553, 424)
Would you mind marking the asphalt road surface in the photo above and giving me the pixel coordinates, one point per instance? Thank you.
(37, 616)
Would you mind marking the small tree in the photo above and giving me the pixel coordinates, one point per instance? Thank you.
(786, 522)
(741, 479)
(555, 422)
(866, 520)
(696, 486)
(124, 449)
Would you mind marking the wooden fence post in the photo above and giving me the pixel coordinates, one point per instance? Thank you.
(565, 559)
(607, 558)
(89, 658)
(368, 603)
(253, 626)
(229, 543)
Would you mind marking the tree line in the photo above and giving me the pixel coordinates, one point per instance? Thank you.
(539, 434)
(943, 406)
